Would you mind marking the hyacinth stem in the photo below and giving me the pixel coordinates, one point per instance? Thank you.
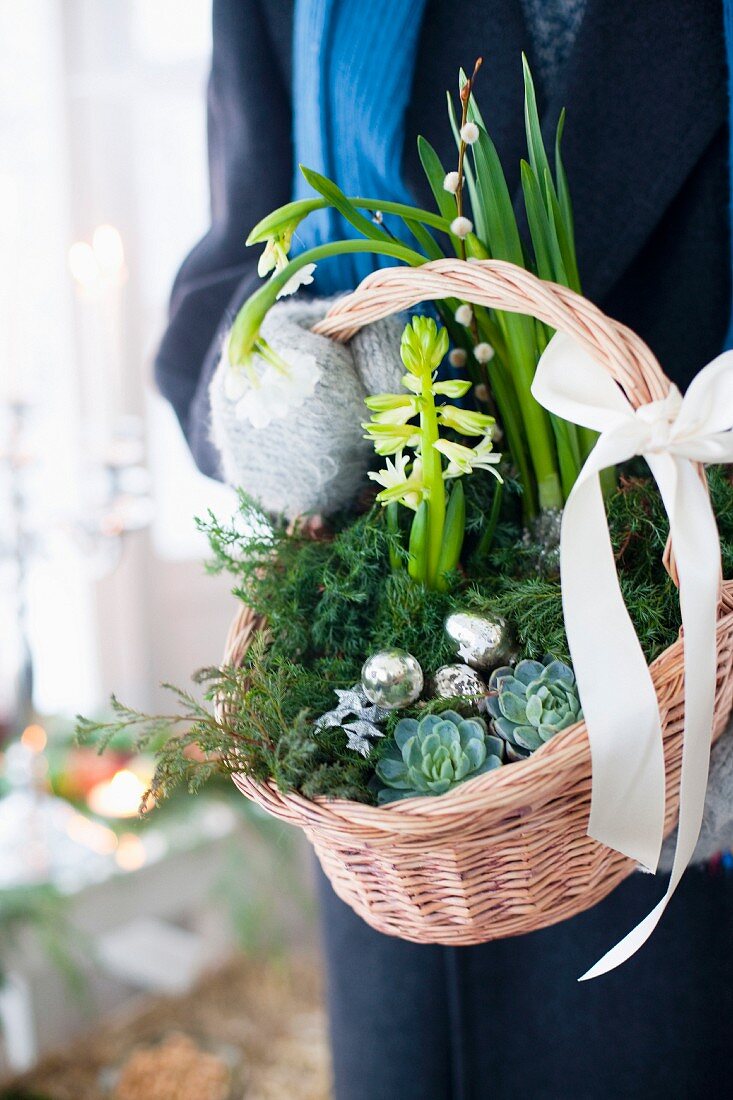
(245, 331)
(393, 526)
(432, 478)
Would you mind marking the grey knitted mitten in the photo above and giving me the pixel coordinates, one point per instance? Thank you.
(314, 460)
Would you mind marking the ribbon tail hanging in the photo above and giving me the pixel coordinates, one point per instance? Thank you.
(619, 701)
(695, 540)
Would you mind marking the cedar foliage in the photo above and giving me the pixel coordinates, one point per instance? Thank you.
(330, 602)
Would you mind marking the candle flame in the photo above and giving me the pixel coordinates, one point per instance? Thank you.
(100, 263)
(119, 796)
(83, 264)
(98, 838)
(34, 738)
(108, 250)
(130, 854)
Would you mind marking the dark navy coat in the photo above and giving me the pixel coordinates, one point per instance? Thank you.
(646, 152)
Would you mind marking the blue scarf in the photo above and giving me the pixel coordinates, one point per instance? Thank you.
(353, 65)
(728, 26)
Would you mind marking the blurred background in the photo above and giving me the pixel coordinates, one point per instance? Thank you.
(187, 935)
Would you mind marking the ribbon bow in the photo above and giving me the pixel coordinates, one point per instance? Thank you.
(616, 689)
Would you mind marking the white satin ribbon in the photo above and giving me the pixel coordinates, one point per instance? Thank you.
(616, 690)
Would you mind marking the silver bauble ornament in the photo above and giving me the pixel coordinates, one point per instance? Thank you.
(454, 681)
(482, 641)
(392, 678)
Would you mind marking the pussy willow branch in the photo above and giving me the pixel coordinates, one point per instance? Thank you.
(465, 94)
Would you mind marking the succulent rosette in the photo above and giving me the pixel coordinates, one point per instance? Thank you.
(532, 702)
(430, 756)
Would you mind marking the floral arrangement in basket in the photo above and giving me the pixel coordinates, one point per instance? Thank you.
(407, 678)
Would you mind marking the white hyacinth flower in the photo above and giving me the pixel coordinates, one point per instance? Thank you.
(397, 485)
(465, 421)
(451, 182)
(463, 460)
(399, 415)
(461, 227)
(303, 277)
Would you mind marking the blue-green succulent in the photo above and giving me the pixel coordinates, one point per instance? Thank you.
(432, 755)
(532, 702)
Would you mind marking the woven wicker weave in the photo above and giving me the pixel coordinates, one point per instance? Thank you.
(507, 852)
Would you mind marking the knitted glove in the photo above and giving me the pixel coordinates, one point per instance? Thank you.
(321, 466)
(717, 826)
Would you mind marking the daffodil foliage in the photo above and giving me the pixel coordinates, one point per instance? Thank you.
(415, 432)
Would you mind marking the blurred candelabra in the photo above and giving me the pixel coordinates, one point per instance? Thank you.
(112, 492)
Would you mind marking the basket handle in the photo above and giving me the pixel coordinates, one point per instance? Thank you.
(501, 285)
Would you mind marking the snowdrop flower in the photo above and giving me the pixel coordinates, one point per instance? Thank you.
(271, 387)
(236, 382)
(303, 277)
(461, 227)
(469, 133)
(464, 460)
(464, 315)
(237, 376)
(451, 182)
(397, 485)
(457, 357)
(274, 256)
(261, 403)
(484, 353)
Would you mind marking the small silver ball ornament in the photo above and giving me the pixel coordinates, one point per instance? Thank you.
(392, 678)
(482, 641)
(454, 681)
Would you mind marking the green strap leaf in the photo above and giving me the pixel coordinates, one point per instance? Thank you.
(537, 221)
(336, 198)
(435, 174)
(565, 208)
(425, 239)
(535, 144)
(453, 531)
(563, 189)
(417, 565)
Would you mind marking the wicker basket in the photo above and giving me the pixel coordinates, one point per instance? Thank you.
(507, 852)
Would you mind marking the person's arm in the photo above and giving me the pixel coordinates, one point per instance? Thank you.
(250, 169)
